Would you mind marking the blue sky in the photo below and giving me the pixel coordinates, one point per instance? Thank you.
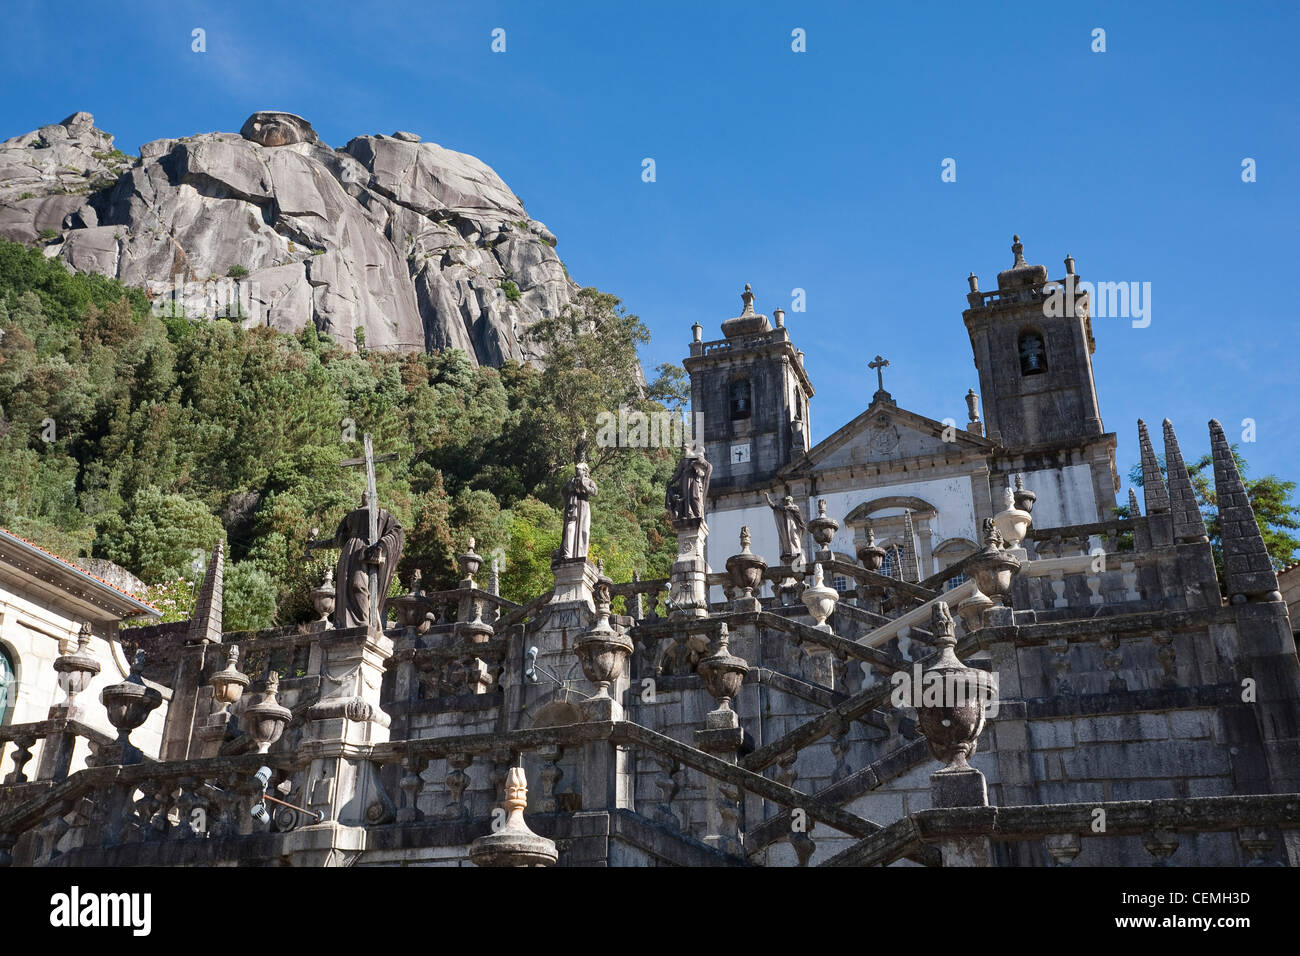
(816, 170)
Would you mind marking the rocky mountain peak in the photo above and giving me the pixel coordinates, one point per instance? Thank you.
(390, 240)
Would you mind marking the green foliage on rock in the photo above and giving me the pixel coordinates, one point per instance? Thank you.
(145, 440)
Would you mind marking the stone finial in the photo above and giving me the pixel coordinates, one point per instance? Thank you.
(1153, 482)
(1248, 570)
(974, 282)
(1069, 264)
(514, 844)
(1189, 526)
(1018, 250)
(972, 405)
(778, 316)
(744, 538)
(1133, 510)
(697, 332)
(748, 298)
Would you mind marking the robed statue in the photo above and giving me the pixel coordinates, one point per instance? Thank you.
(577, 513)
(688, 488)
(357, 556)
(789, 527)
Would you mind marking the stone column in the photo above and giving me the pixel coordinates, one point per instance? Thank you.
(688, 588)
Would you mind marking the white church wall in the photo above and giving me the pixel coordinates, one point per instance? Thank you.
(1065, 496)
(34, 635)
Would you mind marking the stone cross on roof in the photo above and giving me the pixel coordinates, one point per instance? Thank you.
(880, 364)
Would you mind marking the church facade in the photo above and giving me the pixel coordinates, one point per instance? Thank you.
(1041, 421)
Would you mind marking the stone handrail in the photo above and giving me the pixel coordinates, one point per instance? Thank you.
(1110, 530)
(1064, 825)
(62, 731)
(106, 811)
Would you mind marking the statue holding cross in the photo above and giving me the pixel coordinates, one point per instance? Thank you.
(370, 542)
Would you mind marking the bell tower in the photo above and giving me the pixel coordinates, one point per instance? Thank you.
(752, 392)
(1033, 348)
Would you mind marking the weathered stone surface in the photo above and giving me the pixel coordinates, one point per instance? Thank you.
(413, 245)
(270, 128)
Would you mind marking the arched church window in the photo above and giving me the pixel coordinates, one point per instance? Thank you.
(8, 685)
(892, 565)
(740, 399)
(1033, 353)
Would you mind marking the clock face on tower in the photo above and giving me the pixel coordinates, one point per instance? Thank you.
(740, 453)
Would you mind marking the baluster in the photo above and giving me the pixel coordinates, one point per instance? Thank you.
(1161, 844)
(22, 754)
(1129, 571)
(636, 610)
(457, 781)
(668, 783)
(411, 784)
(550, 775)
(501, 761)
(1257, 845)
(185, 804)
(1063, 847)
(1057, 581)
(800, 825)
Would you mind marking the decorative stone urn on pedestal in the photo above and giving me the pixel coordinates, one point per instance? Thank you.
(514, 844)
(323, 597)
(992, 567)
(412, 607)
(602, 650)
(469, 564)
(266, 719)
(873, 559)
(745, 571)
(1024, 499)
(1011, 522)
(76, 671)
(723, 674)
(228, 684)
(129, 705)
(822, 529)
(820, 599)
(950, 715)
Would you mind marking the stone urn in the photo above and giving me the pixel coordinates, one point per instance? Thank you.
(412, 607)
(469, 563)
(1011, 522)
(722, 672)
(76, 670)
(602, 650)
(823, 528)
(871, 556)
(514, 844)
(1024, 499)
(971, 611)
(745, 570)
(820, 599)
(992, 567)
(954, 697)
(267, 719)
(477, 631)
(129, 705)
(228, 684)
(323, 597)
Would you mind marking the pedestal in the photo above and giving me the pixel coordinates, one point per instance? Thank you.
(723, 738)
(688, 589)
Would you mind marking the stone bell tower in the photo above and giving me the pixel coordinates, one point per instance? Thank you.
(1033, 348)
(752, 392)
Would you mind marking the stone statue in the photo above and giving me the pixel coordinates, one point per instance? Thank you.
(688, 488)
(357, 555)
(789, 527)
(577, 513)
